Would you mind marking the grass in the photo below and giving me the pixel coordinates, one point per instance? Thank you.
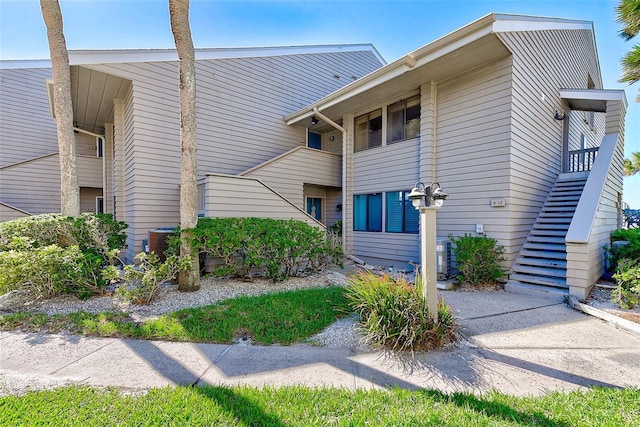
(301, 406)
(283, 318)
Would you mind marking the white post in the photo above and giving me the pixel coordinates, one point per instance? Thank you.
(428, 259)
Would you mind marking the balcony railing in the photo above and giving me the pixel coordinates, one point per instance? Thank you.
(582, 160)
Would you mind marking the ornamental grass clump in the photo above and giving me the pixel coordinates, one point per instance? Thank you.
(394, 314)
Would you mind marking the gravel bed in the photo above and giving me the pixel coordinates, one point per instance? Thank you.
(168, 298)
(343, 333)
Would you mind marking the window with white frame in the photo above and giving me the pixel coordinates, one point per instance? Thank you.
(368, 130)
(403, 120)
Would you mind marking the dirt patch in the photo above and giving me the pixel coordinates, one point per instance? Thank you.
(600, 298)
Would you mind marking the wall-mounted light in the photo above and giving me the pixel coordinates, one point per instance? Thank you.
(339, 207)
(314, 120)
(557, 116)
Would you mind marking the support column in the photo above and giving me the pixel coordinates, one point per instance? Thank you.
(107, 154)
(428, 96)
(428, 261)
(119, 208)
(347, 184)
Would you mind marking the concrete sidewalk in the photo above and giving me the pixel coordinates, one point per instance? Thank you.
(513, 343)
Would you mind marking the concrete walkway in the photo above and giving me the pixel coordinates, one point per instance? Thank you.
(514, 343)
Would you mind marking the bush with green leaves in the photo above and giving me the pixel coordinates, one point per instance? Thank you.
(394, 314)
(274, 248)
(141, 282)
(478, 259)
(629, 251)
(627, 292)
(46, 271)
(52, 254)
(96, 233)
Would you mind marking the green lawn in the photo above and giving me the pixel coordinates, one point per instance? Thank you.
(300, 406)
(284, 318)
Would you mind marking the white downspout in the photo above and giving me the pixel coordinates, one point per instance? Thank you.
(344, 167)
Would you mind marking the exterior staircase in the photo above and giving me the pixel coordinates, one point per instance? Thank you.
(541, 266)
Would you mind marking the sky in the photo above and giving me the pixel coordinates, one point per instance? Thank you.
(395, 28)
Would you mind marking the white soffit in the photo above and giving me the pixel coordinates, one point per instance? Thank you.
(592, 99)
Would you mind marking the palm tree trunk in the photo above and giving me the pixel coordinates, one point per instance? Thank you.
(188, 280)
(62, 107)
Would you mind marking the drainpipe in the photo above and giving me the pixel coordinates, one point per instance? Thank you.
(344, 167)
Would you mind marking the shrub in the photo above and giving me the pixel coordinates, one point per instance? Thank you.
(276, 248)
(140, 283)
(394, 315)
(50, 270)
(627, 292)
(478, 259)
(629, 251)
(96, 233)
(52, 254)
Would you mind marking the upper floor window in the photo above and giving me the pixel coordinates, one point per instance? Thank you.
(368, 130)
(403, 119)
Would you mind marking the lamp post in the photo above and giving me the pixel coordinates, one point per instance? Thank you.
(427, 199)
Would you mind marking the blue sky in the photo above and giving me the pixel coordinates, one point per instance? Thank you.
(393, 27)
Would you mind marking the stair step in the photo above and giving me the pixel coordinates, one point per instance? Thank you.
(557, 214)
(541, 262)
(565, 195)
(552, 293)
(569, 187)
(571, 181)
(553, 233)
(559, 209)
(563, 201)
(541, 254)
(575, 190)
(538, 280)
(541, 272)
(545, 247)
(559, 219)
(546, 239)
(551, 226)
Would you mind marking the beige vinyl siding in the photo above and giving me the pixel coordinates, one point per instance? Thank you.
(89, 171)
(85, 144)
(32, 186)
(9, 213)
(543, 63)
(332, 214)
(27, 129)
(258, 200)
(388, 168)
(392, 167)
(240, 106)
(473, 123)
(88, 199)
(288, 173)
(577, 127)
